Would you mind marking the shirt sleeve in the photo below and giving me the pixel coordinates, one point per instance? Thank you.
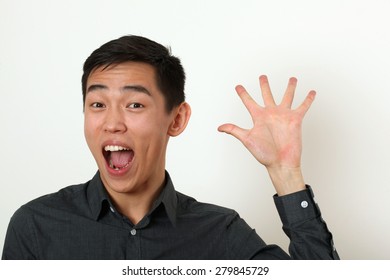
(19, 241)
(244, 243)
(309, 236)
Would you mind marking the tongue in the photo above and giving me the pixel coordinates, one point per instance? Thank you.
(121, 158)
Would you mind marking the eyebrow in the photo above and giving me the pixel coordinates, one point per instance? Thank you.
(136, 88)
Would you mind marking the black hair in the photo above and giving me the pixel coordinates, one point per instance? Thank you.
(170, 74)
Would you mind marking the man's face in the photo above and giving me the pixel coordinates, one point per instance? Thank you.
(126, 127)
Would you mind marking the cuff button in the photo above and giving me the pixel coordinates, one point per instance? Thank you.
(304, 204)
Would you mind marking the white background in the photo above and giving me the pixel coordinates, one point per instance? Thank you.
(195, 269)
(339, 48)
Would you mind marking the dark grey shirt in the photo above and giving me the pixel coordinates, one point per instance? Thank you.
(80, 222)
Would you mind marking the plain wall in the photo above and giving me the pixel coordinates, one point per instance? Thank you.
(339, 48)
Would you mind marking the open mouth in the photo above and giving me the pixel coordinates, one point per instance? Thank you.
(118, 157)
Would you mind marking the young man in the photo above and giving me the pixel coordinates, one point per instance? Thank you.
(133, 93)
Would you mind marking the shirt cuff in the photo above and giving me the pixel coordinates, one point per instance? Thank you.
(297, 207)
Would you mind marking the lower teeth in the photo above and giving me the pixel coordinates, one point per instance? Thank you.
(114, 167)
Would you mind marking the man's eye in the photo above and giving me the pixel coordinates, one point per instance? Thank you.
(135, 106)
(97, 105)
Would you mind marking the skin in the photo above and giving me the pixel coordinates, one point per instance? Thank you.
(275, 139)
(125, 107)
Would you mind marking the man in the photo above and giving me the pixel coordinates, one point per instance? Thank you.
(133, 94)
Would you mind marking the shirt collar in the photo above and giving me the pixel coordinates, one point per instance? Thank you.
(97, 198)
(168, 198)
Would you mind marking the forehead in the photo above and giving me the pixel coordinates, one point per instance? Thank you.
(127, 72)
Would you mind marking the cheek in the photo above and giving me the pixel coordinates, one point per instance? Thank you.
(89, 131)
(148, 124)
(150, 131)
(162, 129)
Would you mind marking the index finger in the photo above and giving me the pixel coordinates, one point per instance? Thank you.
(248, 101)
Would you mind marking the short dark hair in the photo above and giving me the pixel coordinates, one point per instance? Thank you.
(170, 74)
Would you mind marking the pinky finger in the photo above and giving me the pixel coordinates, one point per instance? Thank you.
(304, 107)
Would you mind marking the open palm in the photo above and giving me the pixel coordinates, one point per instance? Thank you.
(275, 139)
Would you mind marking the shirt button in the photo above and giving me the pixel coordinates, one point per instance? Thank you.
(304, 204)
(133, 232)
(112, 209)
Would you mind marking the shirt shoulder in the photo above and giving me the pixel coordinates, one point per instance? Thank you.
(71, 199)
(190, 206)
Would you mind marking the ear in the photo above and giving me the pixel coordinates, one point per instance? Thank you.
(181, 116)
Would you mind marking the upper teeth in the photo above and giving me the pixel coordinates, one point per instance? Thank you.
(115, 148)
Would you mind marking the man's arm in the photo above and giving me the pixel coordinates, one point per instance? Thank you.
(275, 140)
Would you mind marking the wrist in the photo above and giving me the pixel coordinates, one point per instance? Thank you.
(286, 180)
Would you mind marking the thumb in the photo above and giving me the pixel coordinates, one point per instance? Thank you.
(233, 130)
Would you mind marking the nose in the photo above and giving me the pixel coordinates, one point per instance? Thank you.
(114, 121)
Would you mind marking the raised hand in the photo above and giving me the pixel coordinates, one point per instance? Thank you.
(275, 139)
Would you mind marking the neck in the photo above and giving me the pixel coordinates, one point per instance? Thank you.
(135, 205)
